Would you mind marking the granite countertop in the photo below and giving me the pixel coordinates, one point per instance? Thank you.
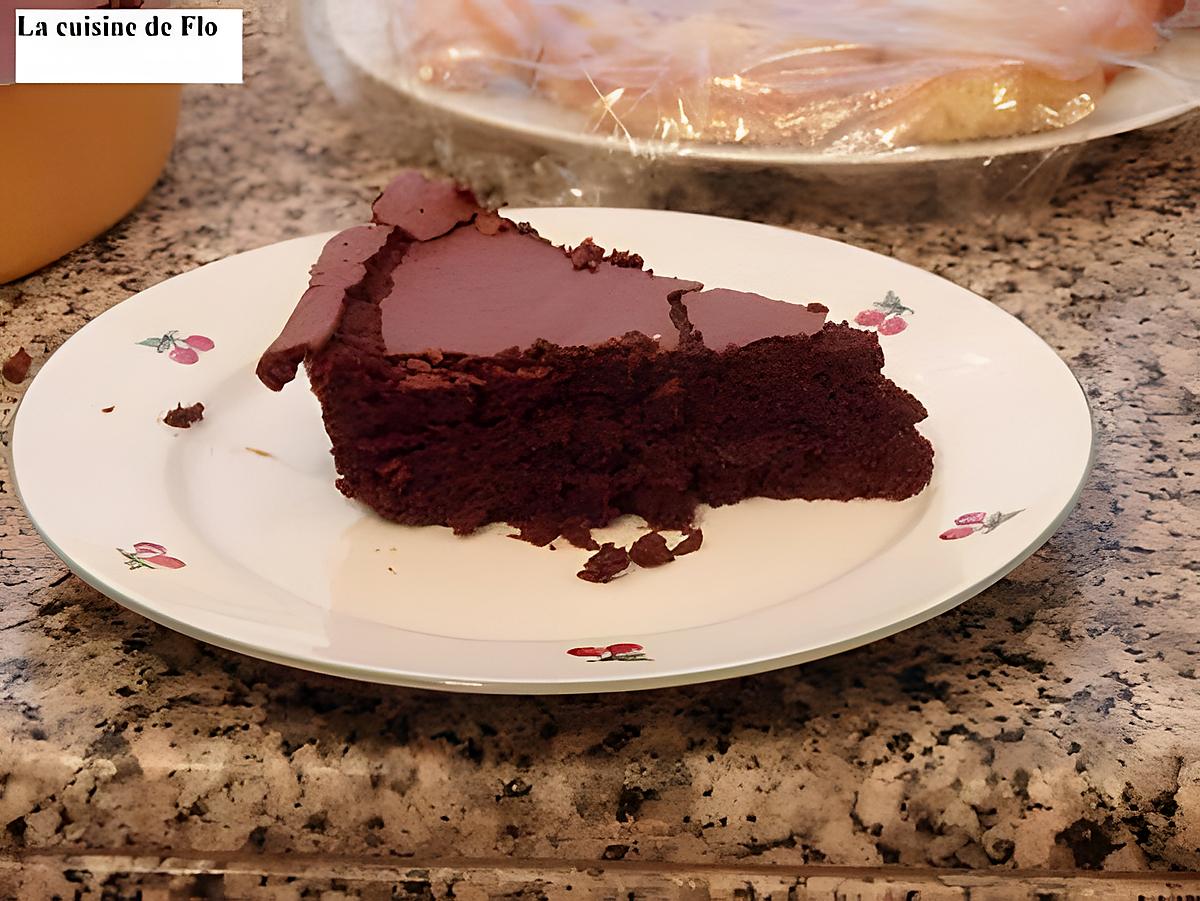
(1040, 740)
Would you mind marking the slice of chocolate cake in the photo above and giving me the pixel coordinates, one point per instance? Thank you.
(472, 372)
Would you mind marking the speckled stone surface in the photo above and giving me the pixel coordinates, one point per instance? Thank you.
(1051, 723)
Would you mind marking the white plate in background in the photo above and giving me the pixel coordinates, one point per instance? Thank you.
(1165, 85)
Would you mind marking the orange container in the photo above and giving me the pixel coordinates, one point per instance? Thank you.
(75, 158)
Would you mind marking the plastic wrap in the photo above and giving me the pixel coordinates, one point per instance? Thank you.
(842, 75)
(654, 102)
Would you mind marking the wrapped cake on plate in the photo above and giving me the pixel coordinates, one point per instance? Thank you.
(637, 101)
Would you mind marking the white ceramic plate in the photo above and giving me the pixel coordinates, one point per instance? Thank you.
(1167, 85)
(279, 565)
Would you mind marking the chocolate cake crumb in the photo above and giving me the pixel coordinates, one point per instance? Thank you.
(605, 565)
(16, 367)
(182, 417)
(108, 409)
(691, 543)
(538, 532)
(626, 259)
(489, 222)
(651, 550)
(577, 532)
(588, 255)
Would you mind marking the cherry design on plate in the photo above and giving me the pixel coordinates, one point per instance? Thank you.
(885, 316)
(149, 555)
(624, 652)
(970, 523)
(182, 350)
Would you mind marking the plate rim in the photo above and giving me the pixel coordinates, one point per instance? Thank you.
(549, 686)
